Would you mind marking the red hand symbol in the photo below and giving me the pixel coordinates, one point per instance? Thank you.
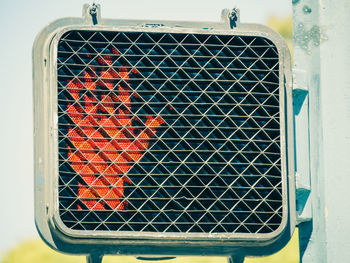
(105, 142)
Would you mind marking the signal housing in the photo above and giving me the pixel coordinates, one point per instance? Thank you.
(222, 62)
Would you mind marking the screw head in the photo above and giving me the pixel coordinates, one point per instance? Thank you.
(93, 10)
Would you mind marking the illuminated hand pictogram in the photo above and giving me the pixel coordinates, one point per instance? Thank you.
(105, 143)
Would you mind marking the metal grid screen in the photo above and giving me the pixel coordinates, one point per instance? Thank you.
(168, 132)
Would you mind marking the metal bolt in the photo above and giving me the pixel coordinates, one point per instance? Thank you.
(93, 10)
(233, 17)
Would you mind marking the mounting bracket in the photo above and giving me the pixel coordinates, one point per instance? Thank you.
(231, 17)
(92, 13)
(236, 259)
(94, 258)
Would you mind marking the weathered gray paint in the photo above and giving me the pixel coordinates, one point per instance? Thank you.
(322, 61)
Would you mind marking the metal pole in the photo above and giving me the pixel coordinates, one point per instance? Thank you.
(322, 63)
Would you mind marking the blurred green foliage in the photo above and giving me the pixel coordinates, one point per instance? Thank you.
(284, 26)
(35, 251)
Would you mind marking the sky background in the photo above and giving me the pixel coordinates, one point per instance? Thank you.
(20, 22)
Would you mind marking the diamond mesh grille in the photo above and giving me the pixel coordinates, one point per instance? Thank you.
(169, 132)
